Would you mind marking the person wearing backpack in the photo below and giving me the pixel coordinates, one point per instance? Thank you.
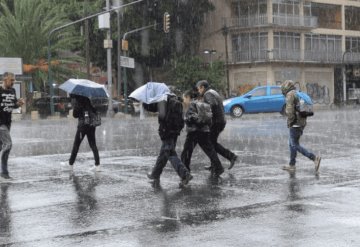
(171, 123)
(198, 118)
(296, 123)
(88, 120)
(213, 98)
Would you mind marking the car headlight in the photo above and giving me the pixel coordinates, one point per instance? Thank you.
(225, 102)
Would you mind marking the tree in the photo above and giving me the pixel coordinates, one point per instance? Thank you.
(190, 69)
(24, 32)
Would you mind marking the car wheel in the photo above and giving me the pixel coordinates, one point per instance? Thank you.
(283, 110)
(237, 111)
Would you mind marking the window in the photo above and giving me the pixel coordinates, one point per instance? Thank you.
(326, 43)
(352, 18)
(353, 44)
(250, 46)
(286, 7)
(275, 91)
(259, 92)
(286, 41)
(329, 15)
(245, 8)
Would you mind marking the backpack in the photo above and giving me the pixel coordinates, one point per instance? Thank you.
(174, 120)
(304, 105)
(204, 113)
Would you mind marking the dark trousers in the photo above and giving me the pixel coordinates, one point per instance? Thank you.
(168, 153)
(203, 139)
(5, 148)
(294, 145)
(215, 131)
(88, 131)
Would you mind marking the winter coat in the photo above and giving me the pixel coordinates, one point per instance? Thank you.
(170, 117)
(293, 116)
(215, 101)
(83, 111)
(191, 120)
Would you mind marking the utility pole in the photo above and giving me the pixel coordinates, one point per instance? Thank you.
(118, 12)
(87, 41)
(109, 68)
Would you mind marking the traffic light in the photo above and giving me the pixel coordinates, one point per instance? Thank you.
(166, 22)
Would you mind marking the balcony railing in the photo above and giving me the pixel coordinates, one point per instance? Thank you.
(285, 55)
(246, 22)
(323, 56)
(295, 21)
(279, 20)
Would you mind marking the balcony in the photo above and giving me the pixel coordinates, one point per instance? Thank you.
(323, 56)
(285, 55)
(247, 22)
(291, 21)
(295, 21)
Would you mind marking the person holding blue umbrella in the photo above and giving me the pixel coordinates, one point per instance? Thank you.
(81, 91)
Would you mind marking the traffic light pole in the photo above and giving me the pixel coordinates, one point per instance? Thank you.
(50, 80)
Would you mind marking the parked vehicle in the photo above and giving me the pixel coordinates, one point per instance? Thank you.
(258, 100)
(61, 104)
(101, 104)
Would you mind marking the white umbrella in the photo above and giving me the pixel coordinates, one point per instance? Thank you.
(151, 92)
(85, 88)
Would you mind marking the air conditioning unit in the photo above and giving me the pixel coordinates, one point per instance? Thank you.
(356, 72)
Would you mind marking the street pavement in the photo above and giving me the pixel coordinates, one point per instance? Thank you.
(254, 204)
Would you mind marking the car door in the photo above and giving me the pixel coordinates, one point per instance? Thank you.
(276, 99)
(256, 100)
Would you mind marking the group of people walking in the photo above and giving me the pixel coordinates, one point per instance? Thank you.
(201, 111)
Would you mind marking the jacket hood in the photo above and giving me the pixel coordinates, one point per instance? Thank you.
(287, 86)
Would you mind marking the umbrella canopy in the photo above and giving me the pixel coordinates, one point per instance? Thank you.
(84, 88)
(151, 92)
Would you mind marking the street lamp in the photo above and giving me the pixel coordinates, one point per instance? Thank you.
(210, 53)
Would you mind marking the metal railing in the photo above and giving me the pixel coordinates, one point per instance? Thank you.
(293, 56)
(295, 21)
(249, 21)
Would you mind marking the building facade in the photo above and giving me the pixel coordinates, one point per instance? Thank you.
(264, 42)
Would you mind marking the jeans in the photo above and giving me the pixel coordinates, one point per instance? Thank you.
(168, 153)
(294, 145)
(5, 148)
(88, 131)
(203, 139)
(215, 131)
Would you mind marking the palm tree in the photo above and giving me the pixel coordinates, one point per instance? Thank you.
(25, 27)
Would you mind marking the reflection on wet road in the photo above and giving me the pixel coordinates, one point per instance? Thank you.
(255, 204)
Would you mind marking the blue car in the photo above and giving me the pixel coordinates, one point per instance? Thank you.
(259, 99)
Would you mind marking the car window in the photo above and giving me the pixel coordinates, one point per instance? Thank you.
(259, 92)
(275, 91)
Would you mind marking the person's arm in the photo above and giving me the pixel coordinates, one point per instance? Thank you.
(162, 110)
(76, 109)
(290, 109)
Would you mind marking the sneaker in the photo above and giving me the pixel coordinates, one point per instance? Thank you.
(233, 161)
(216, 174)
(317, 163)
(186, 180)
(67, 166)
(5, 176)
(151, 177)
(289, 168)
(95, 168)
(209, 168)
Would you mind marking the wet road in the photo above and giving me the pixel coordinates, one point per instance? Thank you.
(255, 204)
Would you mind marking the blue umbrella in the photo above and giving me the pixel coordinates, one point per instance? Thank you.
(151, 92)
(84, 88)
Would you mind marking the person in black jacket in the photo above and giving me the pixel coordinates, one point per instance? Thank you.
(85, 112)
(8, 102)
(171, 123)
(198, 120)
(213, 98)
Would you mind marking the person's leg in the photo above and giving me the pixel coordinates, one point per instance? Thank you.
(5, 148)
(303, 150)
(189, 145)
(162, 159)
(294, 137)
(79, 136)
(179, 167)
(214, 135)
(92, 143)
(207, 146)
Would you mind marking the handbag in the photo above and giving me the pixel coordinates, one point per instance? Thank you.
(95, 119)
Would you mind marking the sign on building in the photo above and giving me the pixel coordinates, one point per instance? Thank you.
(11, 64)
